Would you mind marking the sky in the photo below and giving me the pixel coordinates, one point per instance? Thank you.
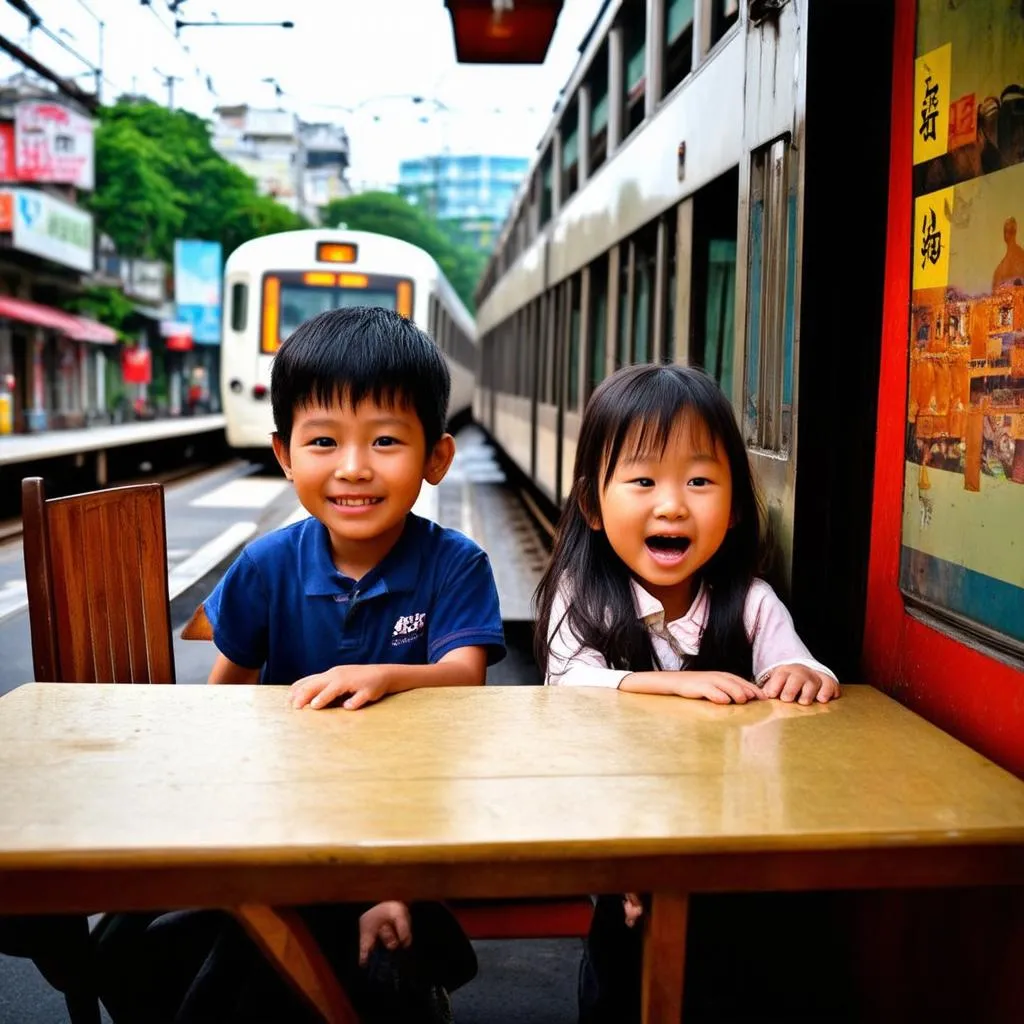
(353, 62)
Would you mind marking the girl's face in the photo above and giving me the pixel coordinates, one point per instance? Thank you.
(666, 513)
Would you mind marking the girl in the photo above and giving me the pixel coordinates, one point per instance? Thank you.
(651, 588)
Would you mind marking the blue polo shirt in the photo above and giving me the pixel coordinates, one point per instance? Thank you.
(285, 608)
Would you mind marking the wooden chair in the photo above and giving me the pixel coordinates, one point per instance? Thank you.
(96, 570)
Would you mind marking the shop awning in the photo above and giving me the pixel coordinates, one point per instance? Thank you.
(78, 328)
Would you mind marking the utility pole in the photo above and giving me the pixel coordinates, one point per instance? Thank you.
(169, 81)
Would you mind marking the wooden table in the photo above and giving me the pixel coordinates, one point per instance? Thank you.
(135, 797)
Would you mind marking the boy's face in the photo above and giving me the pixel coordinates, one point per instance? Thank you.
(359, 471)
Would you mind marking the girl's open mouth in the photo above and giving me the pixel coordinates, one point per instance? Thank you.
(667, 550)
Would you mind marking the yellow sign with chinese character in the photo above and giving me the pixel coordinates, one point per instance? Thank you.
(931, 239)
(931, 103)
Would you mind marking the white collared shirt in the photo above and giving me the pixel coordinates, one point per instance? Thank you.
(768, 624)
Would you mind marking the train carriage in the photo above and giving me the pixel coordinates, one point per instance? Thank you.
(273, 283)
(814, 202)
(668, 217)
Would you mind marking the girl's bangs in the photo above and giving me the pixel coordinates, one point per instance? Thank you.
(644, 426)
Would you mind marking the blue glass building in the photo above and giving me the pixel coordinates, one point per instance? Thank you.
(471, 193)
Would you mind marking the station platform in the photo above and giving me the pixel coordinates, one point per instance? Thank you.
(476, 499)
(15, 448)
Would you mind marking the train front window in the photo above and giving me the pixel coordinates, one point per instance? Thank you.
(289, 299)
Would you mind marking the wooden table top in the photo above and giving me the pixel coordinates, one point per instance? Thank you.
(105, 779)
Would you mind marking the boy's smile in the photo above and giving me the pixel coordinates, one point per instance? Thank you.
(359, 471)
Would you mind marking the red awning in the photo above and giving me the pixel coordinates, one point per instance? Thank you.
(78, 328)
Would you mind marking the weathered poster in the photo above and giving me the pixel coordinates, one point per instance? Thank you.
(963, 507)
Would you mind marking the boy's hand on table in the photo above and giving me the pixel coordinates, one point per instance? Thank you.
(387, 923)
(364, 684)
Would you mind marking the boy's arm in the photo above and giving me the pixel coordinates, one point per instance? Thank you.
(465, 666)
(238, 612)
(226, 671)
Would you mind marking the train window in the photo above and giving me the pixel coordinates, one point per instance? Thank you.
(713, 304)
(239, 305)
(573, 396)
(598, 321)
(570, 150)
(556, 304)
(623, 348)
(678, 42)
(771, 284)
(597, 82)
(645, 260)
(724, 14)
(668, 348)
(634, 23)
(546, 196)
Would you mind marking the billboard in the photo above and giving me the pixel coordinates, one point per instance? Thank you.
(963, 496)
(197, 282)
(53, 144)
(50, 227)
(8, 170)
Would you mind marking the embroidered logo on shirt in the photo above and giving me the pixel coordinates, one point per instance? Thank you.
(408, 628)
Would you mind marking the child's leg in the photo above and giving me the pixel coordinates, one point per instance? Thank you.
(610, 971)
(145, 962)
(237, 985)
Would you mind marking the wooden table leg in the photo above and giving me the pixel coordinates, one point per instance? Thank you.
(664, 958)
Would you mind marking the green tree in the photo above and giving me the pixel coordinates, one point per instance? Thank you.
(158, 178)
(392, 215)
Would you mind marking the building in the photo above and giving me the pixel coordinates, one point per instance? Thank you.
(56, 369)
(302, 165)
(471, 193)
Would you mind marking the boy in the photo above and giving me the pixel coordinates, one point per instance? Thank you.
(363, 599)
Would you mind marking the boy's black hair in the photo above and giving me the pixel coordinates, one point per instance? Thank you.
(358, 353)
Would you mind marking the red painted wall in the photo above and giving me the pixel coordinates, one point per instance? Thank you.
(976, 698)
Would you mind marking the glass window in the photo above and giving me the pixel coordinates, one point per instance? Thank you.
(598, 320)
(645, 259)
(668, 354)
(574, 344)
(678, 42)
(546, 197)
(623, 355)
(771, 299)
(570, 150)
(239, 305)
(597, 80)
(634, 22)
(724, 14)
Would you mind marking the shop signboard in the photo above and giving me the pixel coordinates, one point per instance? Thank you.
(53, 144)
(197, 288)
(51, 228)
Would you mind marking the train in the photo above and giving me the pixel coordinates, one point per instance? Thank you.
(808, 200)
(273, 283)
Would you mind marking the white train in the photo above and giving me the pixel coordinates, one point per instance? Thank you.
(273, 283)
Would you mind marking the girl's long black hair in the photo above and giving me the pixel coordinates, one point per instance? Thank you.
(642, 405)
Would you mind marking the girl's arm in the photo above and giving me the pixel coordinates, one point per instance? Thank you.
(717, 687)
(571, 664)
(782, 663)
(226, 671)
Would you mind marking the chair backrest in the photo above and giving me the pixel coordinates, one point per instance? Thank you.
(96, 570)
